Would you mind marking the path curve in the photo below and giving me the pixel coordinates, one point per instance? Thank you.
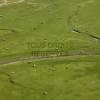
(32, 58)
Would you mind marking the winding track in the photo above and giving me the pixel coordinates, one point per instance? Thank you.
(32, 58)
(74, 28)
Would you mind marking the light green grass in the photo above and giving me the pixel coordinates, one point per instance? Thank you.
(70, 78)
(26, 27)
(49, 23)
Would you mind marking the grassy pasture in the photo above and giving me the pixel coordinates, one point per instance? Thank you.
(37, 28)
(24, 23)
(70, 78)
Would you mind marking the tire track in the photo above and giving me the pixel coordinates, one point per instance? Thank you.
(74, 28)
(52, 57)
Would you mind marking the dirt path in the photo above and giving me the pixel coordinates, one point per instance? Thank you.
(6, 2)
(32, 58)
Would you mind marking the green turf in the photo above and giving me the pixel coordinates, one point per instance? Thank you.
(33, 30)
(34, 23)
(72, 78)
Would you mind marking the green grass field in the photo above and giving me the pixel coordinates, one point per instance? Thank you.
(49, 50)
